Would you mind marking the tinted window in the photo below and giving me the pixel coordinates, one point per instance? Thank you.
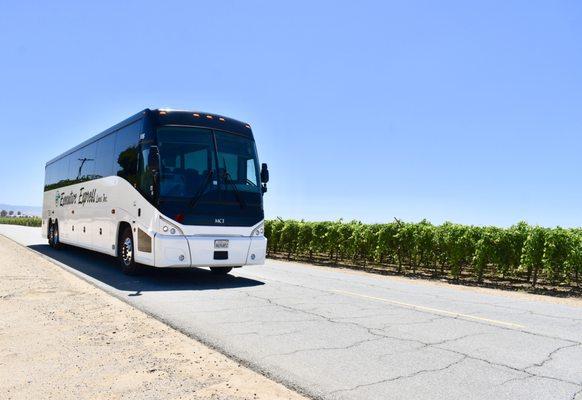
(186, 158)
(63, 171)
(126, 152)
(114, 154)
(251, 172)
(196, 160)
(104, 156)
(57, 174)
(49, 176)
(187, 188)
(84, 163)
(145, 175)
(237, 161)
(73, 166)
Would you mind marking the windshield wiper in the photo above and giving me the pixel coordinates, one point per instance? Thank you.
(227, 179)
(198, 196)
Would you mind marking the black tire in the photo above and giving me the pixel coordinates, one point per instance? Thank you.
(220, 270)
(50, 233)
(53, 236)
(126, 253)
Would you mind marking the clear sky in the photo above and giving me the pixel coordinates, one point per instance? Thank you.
(452, 110)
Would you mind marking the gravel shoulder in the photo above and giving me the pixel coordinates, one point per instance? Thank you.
(62, 338)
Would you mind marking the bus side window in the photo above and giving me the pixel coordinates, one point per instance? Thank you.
(126, 152)
(82, 164)
(145, 176)
(66, 177)
(50, 176)
(251, 172)
(104, 156)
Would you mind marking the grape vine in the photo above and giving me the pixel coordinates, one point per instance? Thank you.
(460, 252)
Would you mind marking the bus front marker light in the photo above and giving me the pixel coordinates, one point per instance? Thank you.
(258, 231)
(252, 256)
(181, 258)
(168, 227)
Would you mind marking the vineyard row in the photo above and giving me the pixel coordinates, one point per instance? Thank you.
(26, 221)
(528, 253)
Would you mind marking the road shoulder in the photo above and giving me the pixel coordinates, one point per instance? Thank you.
(60, 337)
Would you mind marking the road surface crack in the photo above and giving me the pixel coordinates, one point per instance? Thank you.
(550, 355)
(496, 364)
(396, 378)
(349, 346)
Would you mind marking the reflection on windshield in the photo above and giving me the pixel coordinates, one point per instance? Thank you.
(237, 160)
(188, 163)
(208, 175)
(187, 159)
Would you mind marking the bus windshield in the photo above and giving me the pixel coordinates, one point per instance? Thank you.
(207, 173)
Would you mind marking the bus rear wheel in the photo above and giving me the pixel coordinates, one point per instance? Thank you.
(220, 270)
(126, 253)
(53, 235)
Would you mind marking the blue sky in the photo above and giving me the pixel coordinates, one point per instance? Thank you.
(451, 110)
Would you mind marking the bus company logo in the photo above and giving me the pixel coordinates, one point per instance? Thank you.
(81, 198)
(219, 221)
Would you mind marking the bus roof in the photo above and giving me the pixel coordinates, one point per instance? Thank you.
(163, 116)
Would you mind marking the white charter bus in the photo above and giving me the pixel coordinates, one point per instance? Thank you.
(163, 188)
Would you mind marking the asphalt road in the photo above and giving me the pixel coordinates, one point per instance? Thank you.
(338, 334)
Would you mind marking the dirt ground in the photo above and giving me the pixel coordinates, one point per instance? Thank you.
(61, 338)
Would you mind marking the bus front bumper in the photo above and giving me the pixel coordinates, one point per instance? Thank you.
(201, 251)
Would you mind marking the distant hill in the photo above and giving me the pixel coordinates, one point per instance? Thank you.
(28, 210)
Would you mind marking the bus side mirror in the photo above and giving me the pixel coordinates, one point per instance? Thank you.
(154, 159)
(264, 173)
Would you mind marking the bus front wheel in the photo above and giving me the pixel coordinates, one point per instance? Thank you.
(126, 253)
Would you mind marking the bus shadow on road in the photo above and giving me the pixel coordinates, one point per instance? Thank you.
(105, 269)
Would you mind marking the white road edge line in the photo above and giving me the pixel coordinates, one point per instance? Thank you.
(432, 310)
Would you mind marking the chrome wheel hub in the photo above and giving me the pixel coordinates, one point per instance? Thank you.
(54, 234)
(127, 251)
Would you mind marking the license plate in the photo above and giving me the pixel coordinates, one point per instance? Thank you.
(221, 244)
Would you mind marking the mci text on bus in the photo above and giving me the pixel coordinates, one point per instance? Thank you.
(163, 188)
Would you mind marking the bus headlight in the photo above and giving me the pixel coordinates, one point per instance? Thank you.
(259, 230)
(168, 227)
